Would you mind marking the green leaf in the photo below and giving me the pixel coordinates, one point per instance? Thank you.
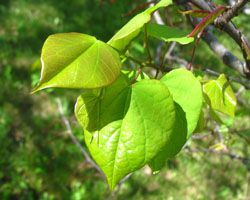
(36, 66)
(201, 123)
(97, 108)
(187, 92)
(131, 74)
(127, 33)
(132, 126)
(168, 33)
(74, 60)
(220, 96)
(174, 144)
(187, 95)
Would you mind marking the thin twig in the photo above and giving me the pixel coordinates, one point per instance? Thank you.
(220, 50)
(113, 195)
(73, 138)
(239, 92)
(195, 45)
(232, 155)
(170, 49)
(147, 45)
(200, 137)
(137, 75)
(181, 61)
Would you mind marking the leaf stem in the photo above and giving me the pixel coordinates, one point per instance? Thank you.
(147, 45)
(196, 43)
(137, 75)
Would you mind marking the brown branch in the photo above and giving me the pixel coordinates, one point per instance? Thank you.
(230, 29)
(137, 75)
(224, 54)
(230, 13)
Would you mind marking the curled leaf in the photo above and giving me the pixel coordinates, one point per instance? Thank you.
(220, 96)
(196, 13)
(207, 20)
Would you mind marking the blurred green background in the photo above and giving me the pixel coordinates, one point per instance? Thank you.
(38, 160)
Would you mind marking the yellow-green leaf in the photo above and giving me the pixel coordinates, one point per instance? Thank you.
(74, 60)
(220, 96)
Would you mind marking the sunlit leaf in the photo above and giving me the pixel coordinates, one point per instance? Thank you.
(168, 33)
(187, 92)
(131, 75)
(128, 32)
(175, 144)
(132, 126)
(220, 96)
(74, 60)
(187, 95)
(201, 123)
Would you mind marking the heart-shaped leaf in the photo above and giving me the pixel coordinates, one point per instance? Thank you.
(174, 144)
(128, 32)
(168, 33)
(187, 95)
(187, 92)
(74, 60)
(220, 96)
(97, 108)
(136, 127)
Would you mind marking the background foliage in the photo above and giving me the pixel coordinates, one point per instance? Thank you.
(37, 158)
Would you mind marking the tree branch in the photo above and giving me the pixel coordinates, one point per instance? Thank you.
(224, 54)
(73, 138)
(230, 13)
(113, 195)
(245, 10)
(230, 29)
(232, 155)
(200, 137)
(221, 51)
